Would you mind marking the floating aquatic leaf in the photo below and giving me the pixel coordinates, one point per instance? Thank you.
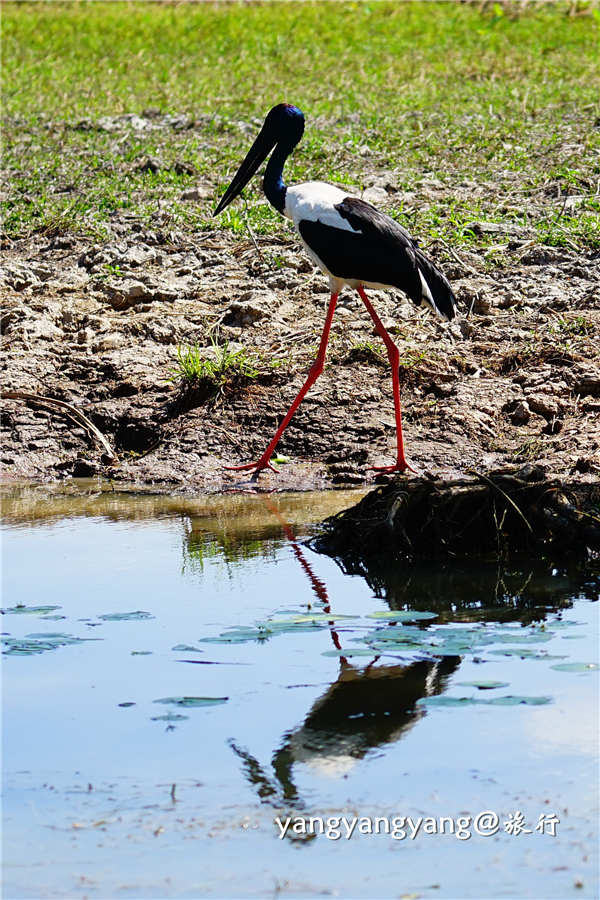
(169, 717)
(309, 617)
(398, 647)
(127, 703)
(237, 637)
(16, 647)
(457, 646)
(572, 637)
(141, 652)
(518, 701)
(447, 701)
(576, 667)
(187, 648)
(52, 618)
(40, 642)
(126, 617)
(484, 685)
(399, 633)
(29, 610)
(403, 615)
(532, 637)
(480, 701)
(192, 701)
(358, 652)
(524, 653)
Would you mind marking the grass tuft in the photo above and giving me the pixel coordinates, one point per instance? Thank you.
(211, 378)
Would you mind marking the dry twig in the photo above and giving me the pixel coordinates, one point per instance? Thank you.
(70, 411)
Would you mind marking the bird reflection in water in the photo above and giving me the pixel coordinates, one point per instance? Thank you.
(366, 707)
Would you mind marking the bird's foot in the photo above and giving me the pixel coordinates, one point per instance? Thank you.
(257, 466)
(400, 466)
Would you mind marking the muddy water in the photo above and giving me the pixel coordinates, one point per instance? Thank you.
(185, 679)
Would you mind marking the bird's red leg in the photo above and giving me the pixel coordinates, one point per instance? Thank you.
(394, 357)
(317, 367)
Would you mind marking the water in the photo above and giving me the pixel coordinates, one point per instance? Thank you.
(105, 797)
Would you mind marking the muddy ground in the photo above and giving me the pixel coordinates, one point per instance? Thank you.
(514, 379)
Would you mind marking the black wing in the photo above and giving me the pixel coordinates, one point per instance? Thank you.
(378, 250)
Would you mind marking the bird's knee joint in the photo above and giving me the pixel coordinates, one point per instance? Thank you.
(393, 355)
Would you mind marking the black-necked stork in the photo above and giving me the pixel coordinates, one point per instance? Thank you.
(351, 242)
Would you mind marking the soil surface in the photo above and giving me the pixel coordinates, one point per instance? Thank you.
(515, 378)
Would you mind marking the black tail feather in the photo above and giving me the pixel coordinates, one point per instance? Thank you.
(441, 297)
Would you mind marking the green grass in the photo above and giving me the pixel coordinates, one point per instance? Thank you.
(499, 106)
(211, 377)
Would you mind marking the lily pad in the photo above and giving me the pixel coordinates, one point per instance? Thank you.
(262, 631)
(187, 648)
(360, 651)
(126, 617)
(237, 636)
(399, 633)
(28, 610)
(448, 701)
(397, 647)
(40, 642)
(524, 653)
(192, 701)
(169, 717)
(21, 647)
(403, 615)
(519, 701)
(484, 685)
(576, 667)
(141, 652)
(535, 637)
(306, 618)
(479, 701)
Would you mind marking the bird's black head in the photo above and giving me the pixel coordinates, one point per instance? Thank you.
(286, 122)
(284, 125)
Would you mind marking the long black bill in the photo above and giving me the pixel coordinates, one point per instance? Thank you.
(257, 154)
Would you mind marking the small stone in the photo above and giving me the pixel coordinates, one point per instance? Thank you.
(200, 192)
(543, 405)
(127, 293)
(466, 328)
(84, 335)
(554, 426)
(347, 478)
(148, 164)
(242, 314)
(521, 414)
(108, 342)
(588, 384)
(378, 196)
(183, 168)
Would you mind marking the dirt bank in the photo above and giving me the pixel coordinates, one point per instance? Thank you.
(96, 325)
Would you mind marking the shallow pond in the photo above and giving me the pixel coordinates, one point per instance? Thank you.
(185, 680)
